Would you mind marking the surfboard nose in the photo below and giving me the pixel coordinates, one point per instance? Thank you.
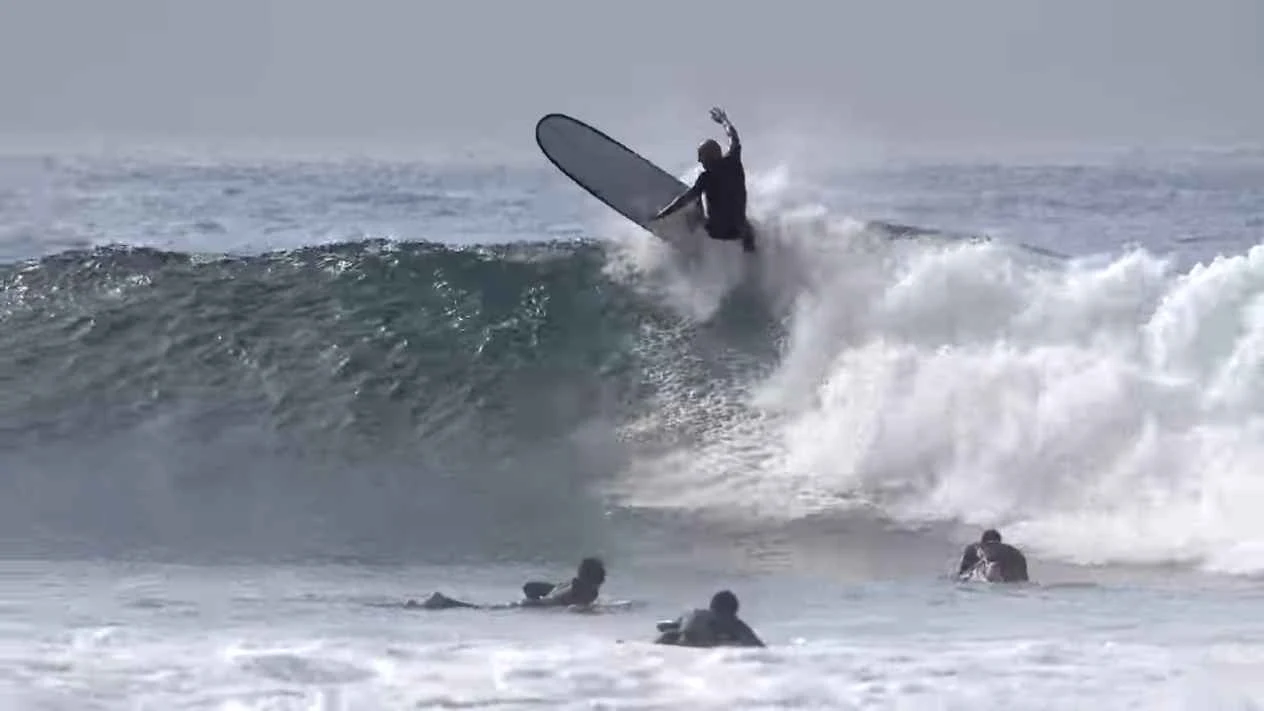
(616, 175)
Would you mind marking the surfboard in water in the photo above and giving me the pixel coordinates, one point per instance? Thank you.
(616, 175)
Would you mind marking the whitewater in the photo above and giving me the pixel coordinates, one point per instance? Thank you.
(249, 407)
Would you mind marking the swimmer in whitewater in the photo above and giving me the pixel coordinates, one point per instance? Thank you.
(723, 183)
(715, 626)
(993, 561)
(581, 590)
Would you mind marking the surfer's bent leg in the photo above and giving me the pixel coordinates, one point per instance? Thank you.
(534, 589)
(748, 237)
(733, 233)
(439, 601)
(671, 637)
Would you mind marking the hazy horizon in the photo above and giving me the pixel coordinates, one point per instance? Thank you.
(906, 76)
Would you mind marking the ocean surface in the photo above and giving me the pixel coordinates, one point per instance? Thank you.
(250, 407)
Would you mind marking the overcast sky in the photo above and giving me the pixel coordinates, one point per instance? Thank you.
(475, 74)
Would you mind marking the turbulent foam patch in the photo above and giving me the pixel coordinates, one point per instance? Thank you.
(1101, 410)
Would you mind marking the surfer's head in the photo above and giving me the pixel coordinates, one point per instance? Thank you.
(724, 603)
(991, 536)
(709, 153)
(591, 570)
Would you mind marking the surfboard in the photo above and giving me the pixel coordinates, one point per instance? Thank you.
(618, 176)
(637, 189)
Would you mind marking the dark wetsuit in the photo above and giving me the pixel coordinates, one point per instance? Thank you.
(538, 594)
(575, 592)
(705, 628)
(1003, 560)
(724, 187)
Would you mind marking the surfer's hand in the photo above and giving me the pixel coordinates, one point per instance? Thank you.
(718, 115)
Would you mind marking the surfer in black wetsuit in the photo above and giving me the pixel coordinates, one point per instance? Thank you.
(581, 590)
(716, 626)
(993, 561)
(723, 183)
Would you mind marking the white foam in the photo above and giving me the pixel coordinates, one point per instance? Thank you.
(1105, 409)
(275, 637)
(573, 671)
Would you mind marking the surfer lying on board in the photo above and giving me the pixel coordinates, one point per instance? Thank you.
(581, 590)
(716, 626)
(723, 183)
(992, 561)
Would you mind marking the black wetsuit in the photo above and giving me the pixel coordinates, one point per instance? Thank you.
(705, 628)
(537, 594)
(724, 186)
(1007, 561)
(575, 592)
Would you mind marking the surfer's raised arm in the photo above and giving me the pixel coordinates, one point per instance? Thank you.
(735, 143)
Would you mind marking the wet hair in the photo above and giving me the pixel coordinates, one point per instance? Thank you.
(710, 149)
(991, 536)
(592, 569)
(724, 603)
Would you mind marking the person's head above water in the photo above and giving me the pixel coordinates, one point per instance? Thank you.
(592, 570)
(709, 153)
(724, 603)
(991, 536)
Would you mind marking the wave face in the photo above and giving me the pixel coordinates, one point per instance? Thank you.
(389, 399)
(363, 396)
